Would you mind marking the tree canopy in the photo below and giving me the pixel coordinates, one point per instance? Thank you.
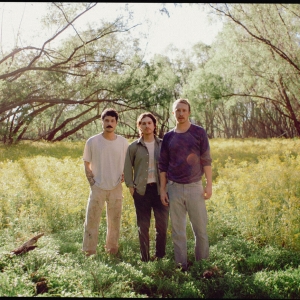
(245, 84)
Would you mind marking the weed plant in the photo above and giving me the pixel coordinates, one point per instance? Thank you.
(253, 228)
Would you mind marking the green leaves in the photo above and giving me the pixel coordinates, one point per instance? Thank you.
(254, 209)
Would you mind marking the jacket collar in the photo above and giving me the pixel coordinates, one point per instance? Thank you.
(141, 140)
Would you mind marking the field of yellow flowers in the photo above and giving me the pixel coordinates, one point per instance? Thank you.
(257, 189)
(255, 206)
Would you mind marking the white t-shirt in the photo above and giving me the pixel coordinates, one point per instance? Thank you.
(107, 159)
(151, 167)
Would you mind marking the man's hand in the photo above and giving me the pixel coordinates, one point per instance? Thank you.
(163, 194)
(131, 190)
(164, 198)
(207, 193)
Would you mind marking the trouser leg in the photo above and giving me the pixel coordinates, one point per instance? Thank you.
(143, 215)
(161, 215)
(178, 221)
(113, 217)
(197, 212)
(92, 220)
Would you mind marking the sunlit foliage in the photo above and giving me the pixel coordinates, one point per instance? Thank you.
(253, 227)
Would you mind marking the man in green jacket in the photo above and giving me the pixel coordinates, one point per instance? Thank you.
(141, 176)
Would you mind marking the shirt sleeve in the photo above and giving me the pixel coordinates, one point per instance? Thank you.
(164, 155)
(128, 167)
(87, 154)
(205, 158)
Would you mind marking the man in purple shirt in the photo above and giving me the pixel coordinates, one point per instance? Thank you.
(184, 158)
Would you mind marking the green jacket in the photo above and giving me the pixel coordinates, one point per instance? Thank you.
(136, 165)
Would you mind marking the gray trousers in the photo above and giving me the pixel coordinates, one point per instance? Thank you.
(188, 199)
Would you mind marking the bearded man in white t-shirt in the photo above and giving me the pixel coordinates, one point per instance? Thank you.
(141, 176)
(104, 156)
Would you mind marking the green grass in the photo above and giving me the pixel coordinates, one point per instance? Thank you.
(245, 270)
(44, 189)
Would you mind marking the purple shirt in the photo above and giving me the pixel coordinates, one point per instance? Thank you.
(183, 155)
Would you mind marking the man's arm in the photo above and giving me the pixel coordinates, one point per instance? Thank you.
(208, 187)
(88, 172)
(128, 171)
(126, 150)
(163, 186)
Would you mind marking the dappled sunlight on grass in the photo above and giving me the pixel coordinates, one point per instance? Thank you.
(253, 228)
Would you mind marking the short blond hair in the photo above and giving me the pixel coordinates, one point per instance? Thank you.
(181, 100)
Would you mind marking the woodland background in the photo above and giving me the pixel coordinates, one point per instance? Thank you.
(245, 84)
(244, 90)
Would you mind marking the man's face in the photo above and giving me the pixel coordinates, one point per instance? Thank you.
(181, 113)
(109, 124)
(147, 126)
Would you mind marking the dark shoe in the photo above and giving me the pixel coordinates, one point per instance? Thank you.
(155, 258)
(182, 268)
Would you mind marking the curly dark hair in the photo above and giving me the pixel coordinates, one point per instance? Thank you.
(111, 112)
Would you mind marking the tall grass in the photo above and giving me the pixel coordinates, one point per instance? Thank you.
(43, 187)
(257, 189)
(253, 227)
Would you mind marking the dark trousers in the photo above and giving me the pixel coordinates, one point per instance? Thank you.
(144, 205)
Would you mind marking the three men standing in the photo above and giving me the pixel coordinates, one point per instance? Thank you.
(104, 156)
(160, 175)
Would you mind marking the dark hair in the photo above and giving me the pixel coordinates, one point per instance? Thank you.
(184, 101)
(144, 115)
(111, 112)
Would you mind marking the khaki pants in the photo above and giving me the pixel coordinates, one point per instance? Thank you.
(97, 198)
